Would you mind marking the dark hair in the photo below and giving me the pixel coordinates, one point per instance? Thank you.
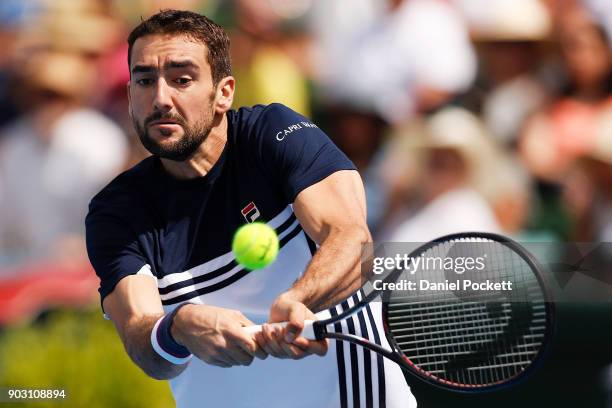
(195, 26)
(569, 88)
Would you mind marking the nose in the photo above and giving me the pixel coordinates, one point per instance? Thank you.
(163, 97)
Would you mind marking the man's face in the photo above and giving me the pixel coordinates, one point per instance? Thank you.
(171, 94)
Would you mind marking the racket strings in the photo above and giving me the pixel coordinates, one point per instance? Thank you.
(471, 338)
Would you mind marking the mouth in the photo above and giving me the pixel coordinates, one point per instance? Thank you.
(163, 122)
(165, 127)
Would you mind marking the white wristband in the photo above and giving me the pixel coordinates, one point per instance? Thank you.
(163, 353)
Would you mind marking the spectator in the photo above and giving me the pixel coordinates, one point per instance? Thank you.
(53, 159)
(510, 38)
(457, 154)
(13, 14)
(588, 188)
(564, 130)
(270, 53)
(413, 58)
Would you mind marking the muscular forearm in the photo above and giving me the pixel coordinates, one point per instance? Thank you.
(335, 270)
(137, 341)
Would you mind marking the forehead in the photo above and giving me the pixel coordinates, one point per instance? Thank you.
(154, 49)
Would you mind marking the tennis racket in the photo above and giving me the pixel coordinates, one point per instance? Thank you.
(471, 341)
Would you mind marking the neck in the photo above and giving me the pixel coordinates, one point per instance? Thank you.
(440, 187)
(200, 163)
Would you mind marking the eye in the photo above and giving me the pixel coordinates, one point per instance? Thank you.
(183, 81)
(144, 81)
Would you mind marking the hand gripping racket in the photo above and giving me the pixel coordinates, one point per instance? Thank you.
(462, 340)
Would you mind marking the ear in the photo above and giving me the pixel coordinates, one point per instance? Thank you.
(129, 96)
(225, 94)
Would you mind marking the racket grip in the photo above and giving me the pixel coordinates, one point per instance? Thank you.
(307, 331)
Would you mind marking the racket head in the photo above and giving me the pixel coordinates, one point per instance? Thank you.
(504, 340)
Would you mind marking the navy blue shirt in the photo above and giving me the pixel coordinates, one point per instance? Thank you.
(147, 218)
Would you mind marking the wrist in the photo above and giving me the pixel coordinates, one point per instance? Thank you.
(164, 344)
(177, 326)
(291, 295)
(295, 295)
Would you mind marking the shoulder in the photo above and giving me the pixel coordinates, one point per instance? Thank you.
(262, 127)
(257, 112)
(265, 116)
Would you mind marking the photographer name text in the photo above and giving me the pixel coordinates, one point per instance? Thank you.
(457, 285)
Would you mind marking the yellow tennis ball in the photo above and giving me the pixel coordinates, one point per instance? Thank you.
(255, 245)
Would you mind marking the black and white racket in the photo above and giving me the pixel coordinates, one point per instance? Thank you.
(474, 340)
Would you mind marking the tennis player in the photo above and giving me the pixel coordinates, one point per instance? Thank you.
(159, 238)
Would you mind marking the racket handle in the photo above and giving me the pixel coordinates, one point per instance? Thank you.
(307, 332)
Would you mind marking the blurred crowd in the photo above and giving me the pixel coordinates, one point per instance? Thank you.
(460, 115)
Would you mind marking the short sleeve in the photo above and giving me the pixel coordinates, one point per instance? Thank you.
(113, 249)
(294, 151)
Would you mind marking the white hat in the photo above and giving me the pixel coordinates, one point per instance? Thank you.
(507, 20)
(460, 130)
(455, 128)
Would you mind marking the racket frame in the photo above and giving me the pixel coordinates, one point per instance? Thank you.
(536, 268)
(397, 356)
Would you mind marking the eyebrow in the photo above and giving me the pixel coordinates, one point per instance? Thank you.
(182, 64)
(139, 68)
(142, 69)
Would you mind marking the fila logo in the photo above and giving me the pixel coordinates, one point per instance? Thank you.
(250, 212)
